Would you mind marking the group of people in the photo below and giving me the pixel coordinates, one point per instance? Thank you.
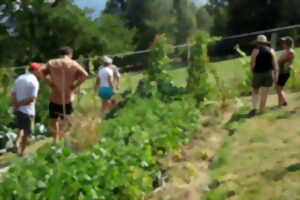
(63, 75)
(268, 71)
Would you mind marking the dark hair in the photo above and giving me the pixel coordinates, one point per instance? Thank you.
(65, 51)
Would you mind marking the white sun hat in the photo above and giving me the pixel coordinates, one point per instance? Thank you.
(107, 59)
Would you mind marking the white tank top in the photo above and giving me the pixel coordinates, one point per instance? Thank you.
(104, 74)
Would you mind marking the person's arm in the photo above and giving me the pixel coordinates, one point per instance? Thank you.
(117, 77)
(25, 102)
(43, 75)
(98, 82)
(253, 58)
(33, 93)
(82, 76)
(275, 65)
(14, 101)
(110, 81)
(287, 57)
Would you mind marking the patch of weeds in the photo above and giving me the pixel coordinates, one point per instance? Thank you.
(252, 191)
(258, 138)
(274, 174)
(220, 193)
(285, 140)
(286, 115)
(201, 156)
(238, 117)
(294, 168)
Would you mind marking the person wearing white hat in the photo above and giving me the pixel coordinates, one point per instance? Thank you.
(264, 68)
(105, 83)
(116, 76)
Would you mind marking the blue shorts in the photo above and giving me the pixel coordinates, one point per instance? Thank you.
(106, 93)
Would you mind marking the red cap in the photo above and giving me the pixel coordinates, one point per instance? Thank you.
(35, 66)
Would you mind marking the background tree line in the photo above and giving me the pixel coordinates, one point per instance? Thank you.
(35, 29)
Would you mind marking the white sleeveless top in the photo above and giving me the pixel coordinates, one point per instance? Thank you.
(104, 74)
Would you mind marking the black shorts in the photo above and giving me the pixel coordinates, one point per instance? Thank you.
(282, 79)
(262, 80)
(25, 122)
(57, 110)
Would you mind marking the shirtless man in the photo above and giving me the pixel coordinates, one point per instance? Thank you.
(65, 76)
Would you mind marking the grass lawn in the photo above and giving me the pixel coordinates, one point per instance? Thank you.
(228, 68)
(262, 160)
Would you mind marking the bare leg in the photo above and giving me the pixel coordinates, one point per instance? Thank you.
(255, 97)
(19, 139)
(63, 124)
(105, 104)
(281, 95)
(264, 97)
(25, 139)
(112, 103)
(55, 130)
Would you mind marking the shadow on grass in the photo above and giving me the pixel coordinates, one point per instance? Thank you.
(235, 121)
(293, 168)
(278, 174)
(286, 115)
(274, 174)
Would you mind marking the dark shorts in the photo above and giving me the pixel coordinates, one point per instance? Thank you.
(57, 110)
(25, 122)
(282, 79)
(262, 80)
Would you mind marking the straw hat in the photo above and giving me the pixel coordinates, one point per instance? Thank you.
(262, 39)
(107, 60)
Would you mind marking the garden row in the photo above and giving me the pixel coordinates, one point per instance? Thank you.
(149, 122)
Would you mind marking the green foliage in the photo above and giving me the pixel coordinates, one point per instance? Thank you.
(157, 79)
(39, 29)
(204, 19)
(6, 115)
(121, 166)
(114, 36)
(223, 91)
(198, 84)
(185, 20)
(245, 85)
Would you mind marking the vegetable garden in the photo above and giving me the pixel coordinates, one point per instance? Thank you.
(148, 123)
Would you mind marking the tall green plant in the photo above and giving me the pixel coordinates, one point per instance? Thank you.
(198, 84)
(245, 87)
(158, 61)
(157, 79)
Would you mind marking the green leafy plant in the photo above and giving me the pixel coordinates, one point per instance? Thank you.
(157, 79)
(198, 83)
(121, 166)
(245, 85)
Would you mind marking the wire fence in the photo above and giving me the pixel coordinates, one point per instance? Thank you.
(224, 47)
(137, 60)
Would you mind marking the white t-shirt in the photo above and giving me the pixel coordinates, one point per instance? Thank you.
(104, 73)
(26, 86)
